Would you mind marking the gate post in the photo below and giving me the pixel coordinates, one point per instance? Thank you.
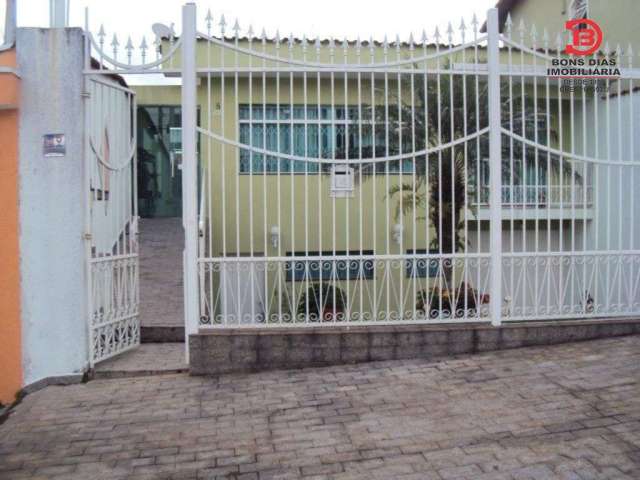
(495, 167)
(189, 173)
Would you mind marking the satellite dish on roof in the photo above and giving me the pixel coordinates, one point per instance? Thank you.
(161, 30)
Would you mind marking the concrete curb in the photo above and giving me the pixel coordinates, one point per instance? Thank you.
(214, 352)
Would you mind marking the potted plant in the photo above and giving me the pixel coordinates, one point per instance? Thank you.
(322, 301)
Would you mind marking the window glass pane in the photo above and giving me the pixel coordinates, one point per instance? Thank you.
(285, 112)
(340, 141)
(324, 139)
(326, 143)
(257, 112)
(312, 112)
(272, 112)
(298, 112)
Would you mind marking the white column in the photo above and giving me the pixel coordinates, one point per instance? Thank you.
(189, 173)
(495, 167)
(59, 13)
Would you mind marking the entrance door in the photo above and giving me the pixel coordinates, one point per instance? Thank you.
(159, 161)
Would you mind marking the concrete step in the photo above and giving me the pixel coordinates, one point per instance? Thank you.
(145, 360)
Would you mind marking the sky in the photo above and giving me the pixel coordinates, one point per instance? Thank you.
(317, 17)
(325, 18)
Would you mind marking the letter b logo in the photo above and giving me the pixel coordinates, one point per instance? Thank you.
(584, 40)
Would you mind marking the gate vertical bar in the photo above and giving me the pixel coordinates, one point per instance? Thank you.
(189, 173)
(495, 167)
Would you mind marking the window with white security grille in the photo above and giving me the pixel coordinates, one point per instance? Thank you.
(322, 131)
(578, 9)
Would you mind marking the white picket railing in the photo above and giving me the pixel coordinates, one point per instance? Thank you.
(543, 196)
(286, 246)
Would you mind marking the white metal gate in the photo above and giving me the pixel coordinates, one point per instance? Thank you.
(450, 178)
(112, 223)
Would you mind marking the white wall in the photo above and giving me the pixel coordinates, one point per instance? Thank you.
(52, 263)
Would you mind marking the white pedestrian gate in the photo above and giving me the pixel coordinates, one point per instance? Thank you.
(453, 178)
(112, 223)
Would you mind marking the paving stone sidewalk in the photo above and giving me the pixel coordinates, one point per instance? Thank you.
(161, 244)
(568, 411)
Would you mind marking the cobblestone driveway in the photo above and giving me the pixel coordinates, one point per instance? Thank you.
(569, 411)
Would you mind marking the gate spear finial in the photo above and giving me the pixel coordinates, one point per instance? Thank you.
(534, 36)
(508, 24)
(143, 48)
(558, 42)
(545, 39)
(450, 33)
(115, 44)
(474, 24)
(129, 48)
(436, 36)
(101, 35)
(222, 24)
(521, 29)
(209, 20)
